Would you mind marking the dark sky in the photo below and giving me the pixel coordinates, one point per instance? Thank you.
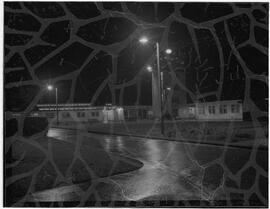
(90, 51)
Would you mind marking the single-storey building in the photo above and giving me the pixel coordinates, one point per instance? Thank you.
(218, 110)
(84, 112)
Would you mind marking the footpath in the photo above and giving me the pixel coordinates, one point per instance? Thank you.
(229, 133)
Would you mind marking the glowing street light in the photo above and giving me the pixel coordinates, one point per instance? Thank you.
(50, 88)
(168, 51)
(143, 40)
(168, 88)
(149, 68)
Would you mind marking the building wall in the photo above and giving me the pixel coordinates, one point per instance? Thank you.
(220, 110)
(186, 112)
(80, 115)
(134, 113)
(101, 115)
(116, 114)
(75, 112)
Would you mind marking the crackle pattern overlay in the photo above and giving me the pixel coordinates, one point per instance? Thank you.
(220, 52)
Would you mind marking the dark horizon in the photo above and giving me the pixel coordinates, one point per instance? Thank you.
(197, 52)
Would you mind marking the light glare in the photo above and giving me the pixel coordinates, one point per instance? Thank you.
(168, 51)
(50, 87)
(149, 68)
(143, 40)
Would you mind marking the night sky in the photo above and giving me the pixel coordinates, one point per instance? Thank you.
(90, 51)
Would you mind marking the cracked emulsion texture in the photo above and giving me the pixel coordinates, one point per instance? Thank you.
(91, 50)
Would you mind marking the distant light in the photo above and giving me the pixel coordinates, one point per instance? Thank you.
(149, 69)
(50, 87)
(143, 40)
(168, 51)
(168, 88)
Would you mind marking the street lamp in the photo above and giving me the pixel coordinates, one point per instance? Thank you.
(168, 51)
(50, 88)
(145, 40)
(149, 69)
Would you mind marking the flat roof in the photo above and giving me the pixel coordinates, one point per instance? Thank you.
(213, 102)
(84, 106)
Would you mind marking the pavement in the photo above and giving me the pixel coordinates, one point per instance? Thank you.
(170, 171)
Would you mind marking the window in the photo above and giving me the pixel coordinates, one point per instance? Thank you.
(223, 109)
(212, 109)
(80, 114)
(66, 115)
(201, 110)
(235, 108)
(95, 114)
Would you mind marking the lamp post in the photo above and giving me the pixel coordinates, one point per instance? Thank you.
(144, 40)
(50, 88)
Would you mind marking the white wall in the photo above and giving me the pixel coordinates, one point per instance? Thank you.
(113, 114)
(74, 117)
(193, 112)
(219, 116)
(186, 112)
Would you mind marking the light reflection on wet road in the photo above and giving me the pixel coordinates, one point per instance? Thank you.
(163, 175)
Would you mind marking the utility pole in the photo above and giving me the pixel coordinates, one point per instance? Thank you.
(160, 85)
(56, 102)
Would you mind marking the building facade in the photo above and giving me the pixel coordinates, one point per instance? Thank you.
(84, 112)
(218, 110)
(81, 112)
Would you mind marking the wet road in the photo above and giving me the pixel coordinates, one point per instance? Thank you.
(171, 170)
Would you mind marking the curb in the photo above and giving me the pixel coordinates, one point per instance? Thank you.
(264, 148)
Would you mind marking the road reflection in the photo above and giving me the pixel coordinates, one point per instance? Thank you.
(113, 145)
(165, 172)
(161, 173)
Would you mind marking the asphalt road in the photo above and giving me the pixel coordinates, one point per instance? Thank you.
(171, 170)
